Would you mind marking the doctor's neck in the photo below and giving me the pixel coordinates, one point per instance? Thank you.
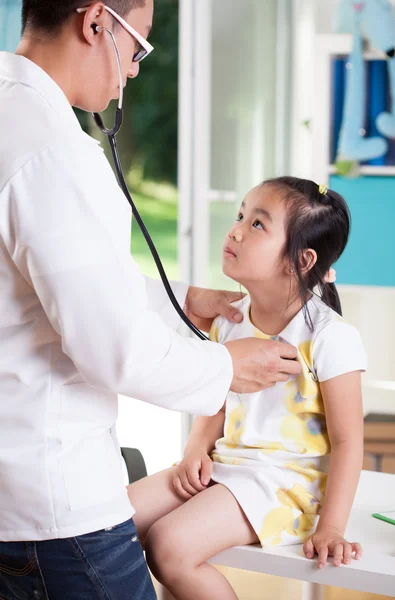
(58, 57)
(81, 60)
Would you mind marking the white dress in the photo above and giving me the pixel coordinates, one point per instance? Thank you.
(274, 453)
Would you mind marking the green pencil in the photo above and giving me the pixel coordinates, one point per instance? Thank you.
(382, 517)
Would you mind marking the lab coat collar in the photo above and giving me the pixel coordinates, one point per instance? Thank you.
(22, 70)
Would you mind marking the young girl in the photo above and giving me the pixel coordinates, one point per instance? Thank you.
(258, 471)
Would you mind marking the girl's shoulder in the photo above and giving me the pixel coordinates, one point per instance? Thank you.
(337, 346)
(223, 330)
(326, 321)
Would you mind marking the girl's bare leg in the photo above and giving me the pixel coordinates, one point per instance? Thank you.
(153, 497)
(179, 544)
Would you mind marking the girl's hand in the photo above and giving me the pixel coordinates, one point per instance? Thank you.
(329, 542)
(193, 474)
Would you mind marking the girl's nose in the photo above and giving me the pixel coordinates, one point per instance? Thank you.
(235, 235)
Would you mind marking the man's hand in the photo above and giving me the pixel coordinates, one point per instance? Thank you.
(202, 306)
(260, 364)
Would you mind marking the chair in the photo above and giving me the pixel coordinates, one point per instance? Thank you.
(135, 464)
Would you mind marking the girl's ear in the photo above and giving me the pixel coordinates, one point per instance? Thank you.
(307, 260)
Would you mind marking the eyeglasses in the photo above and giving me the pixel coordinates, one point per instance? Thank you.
(145, 47)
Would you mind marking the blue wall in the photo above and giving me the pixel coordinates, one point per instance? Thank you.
(369, 258)
(10, 24)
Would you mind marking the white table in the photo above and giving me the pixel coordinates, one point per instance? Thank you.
(374, 573)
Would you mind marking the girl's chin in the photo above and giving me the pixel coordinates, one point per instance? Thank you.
(231, 273)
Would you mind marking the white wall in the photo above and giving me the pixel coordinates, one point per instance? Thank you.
(324, 13)
(156, 432)
(309, 17)
(303, 32)
(370, 309)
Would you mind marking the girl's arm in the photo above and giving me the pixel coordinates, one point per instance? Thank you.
(344, 416)
(205, 432)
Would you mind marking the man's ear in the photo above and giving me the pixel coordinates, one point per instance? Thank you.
(94, 18)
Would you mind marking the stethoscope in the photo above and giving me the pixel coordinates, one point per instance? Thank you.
(111, 134)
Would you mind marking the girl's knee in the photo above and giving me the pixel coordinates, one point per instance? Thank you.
(165, 552)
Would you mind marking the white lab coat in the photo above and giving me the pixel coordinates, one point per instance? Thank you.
(77, 326)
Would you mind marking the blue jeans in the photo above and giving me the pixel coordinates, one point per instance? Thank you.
(105, 565)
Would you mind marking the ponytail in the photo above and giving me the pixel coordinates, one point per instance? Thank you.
(330, 296)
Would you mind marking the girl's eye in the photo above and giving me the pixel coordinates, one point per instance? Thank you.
(239, 217)
(257, 225)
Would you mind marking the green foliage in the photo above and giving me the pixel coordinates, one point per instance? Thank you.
(160, 218)
(152, 100)
(147, 142)
(148, 138)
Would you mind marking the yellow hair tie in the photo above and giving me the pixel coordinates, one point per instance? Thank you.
(323, 189)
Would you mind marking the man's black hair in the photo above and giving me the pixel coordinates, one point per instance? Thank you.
(49, 15)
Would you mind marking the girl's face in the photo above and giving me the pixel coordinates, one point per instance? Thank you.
(253, 249)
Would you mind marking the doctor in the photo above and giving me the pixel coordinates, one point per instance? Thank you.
(79, 324)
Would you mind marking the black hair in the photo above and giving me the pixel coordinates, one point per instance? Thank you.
(320, 221)
(50, 15)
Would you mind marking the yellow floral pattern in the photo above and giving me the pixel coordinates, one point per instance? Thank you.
(303, 392)
(275, 522)
(235, 426)
(214, 332)
(261, 336)
(307, 432)
(296, 517)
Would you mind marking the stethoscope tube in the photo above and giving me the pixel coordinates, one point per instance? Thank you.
(111, 134)
(148, 239)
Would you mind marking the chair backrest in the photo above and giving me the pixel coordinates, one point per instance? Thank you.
(135, 464)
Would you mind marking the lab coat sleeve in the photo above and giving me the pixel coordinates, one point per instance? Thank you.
(159, 302)
(67, 247)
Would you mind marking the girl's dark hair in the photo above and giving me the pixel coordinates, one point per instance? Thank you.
(50, 15)
(317, 221)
